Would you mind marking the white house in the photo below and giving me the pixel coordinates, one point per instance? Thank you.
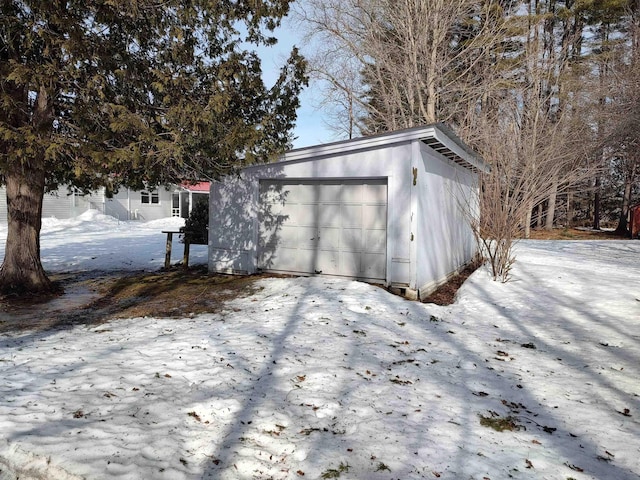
(127, 204)
(162, 202)
(391, 209)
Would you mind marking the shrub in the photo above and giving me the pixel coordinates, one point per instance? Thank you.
(196, 228)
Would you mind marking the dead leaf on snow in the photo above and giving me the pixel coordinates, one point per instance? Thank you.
(194, 415)
(573, 467)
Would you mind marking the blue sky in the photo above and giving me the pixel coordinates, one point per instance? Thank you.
(311, 128)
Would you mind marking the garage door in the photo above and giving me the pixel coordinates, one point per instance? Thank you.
(328, 227)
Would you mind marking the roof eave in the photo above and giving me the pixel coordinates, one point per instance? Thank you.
(447, 143)
(436, 135)
(351, 145)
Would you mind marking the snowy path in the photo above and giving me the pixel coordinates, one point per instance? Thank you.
(310, 378)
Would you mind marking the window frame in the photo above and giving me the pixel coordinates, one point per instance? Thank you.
(149, 197)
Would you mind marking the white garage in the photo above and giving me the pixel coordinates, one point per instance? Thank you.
(391, 209)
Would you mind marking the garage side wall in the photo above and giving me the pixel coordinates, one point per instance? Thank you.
(447, 197)
(232, 224)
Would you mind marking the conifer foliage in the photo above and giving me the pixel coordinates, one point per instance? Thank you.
(130, 93)
(196, 227)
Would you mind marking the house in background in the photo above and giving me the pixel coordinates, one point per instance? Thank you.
(393, 209)
(187, 196)
(127, 204)
(162, 202)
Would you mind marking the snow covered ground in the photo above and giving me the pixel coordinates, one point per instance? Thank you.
(93, 241)
(327, 378)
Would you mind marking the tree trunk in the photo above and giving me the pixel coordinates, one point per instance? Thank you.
(551, 209)
(527, 223)
(539, 214)
(569, 209)
(596, 205)
(622, 228)
(22, 271)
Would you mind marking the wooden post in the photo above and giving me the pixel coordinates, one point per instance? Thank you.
(185, 257)
(167, 257)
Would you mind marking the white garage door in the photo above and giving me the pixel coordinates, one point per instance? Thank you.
(329, 227)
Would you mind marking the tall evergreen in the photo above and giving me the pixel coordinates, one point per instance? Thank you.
(130, 93)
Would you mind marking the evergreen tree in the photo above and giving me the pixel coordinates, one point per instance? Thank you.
(196, 226)
(130, 93)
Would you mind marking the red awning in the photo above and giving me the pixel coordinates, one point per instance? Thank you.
(196, 187)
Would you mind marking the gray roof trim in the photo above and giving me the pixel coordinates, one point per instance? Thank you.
(450, 146)
(437, 136)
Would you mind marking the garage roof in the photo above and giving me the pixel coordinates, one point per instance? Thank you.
(438, 137)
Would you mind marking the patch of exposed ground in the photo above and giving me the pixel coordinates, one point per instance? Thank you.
(177, 293)
(574, 234)
(96, 297)
(446, 293)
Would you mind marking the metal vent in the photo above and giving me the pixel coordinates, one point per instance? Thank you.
(442, 149)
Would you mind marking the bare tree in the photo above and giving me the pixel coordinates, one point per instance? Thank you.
(532, 132)
(414, 58)
(500, 72)
(338, 77)
(529, 162)
(335, 56)
(624, 119)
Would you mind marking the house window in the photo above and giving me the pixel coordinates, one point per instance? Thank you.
(150, 197)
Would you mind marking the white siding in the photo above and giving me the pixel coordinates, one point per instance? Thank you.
(127, 205)
(445, 192)
(59, 204)
(3, 205)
